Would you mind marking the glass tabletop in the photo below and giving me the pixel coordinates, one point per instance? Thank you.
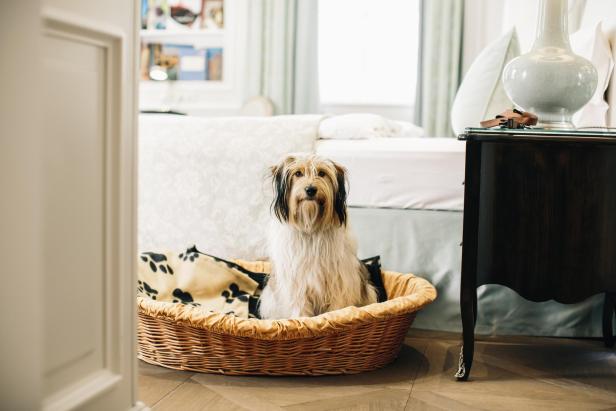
(541, 133)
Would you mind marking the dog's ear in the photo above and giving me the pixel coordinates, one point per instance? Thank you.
(341, 195)
(280, 206)
(281, 165)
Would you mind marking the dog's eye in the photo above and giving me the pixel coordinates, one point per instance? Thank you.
(298, 174)
(321, 173)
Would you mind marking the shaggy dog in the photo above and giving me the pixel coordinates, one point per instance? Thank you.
(315, 268)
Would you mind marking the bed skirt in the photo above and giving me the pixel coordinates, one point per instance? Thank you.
(427, 243)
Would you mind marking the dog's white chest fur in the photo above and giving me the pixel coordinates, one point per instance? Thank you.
(313, 273)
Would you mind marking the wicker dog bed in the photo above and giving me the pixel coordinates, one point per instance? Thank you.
(346, 341)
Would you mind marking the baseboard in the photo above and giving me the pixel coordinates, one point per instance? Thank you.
(139, 406)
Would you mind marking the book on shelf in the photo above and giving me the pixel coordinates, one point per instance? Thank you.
(192, 64)
(214, 64)
(180, 62)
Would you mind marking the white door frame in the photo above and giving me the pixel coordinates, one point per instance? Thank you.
(59, 145)
(20, 303)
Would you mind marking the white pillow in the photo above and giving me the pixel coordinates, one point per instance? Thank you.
(365, 126)
(481, 95)
(408, 129)
(593, 45)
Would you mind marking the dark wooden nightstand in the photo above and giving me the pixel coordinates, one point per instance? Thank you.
(539, 218)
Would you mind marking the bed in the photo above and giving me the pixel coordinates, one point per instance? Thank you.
(406, 173)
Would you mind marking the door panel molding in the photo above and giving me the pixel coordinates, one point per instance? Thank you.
(75, 395)
(94, 370)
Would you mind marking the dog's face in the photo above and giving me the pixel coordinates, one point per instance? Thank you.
(309, 193)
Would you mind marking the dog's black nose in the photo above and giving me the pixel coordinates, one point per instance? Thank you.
(311, 191)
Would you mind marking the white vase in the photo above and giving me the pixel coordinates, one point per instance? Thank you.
(550, 80)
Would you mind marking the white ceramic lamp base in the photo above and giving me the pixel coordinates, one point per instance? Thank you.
(551, 81)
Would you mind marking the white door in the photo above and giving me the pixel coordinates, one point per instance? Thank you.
(68, 213)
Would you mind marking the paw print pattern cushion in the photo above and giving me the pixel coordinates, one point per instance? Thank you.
(211, 283)
(200, 280)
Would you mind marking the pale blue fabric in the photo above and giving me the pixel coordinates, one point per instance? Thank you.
(427, 243)
(282, 54)
(439, 64)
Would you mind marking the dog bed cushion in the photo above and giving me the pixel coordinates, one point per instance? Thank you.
(212, 284)
(199, 280)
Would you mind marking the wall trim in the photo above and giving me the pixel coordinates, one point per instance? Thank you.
(75, 395)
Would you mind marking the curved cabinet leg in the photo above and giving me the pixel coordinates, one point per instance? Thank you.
(470, 256)
(468, 304)
(474, 309)
(609, 309)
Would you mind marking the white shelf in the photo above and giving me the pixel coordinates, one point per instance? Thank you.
(197, 38)
(209, 98)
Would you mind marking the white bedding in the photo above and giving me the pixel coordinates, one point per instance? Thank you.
(204, 180)
(411, 173)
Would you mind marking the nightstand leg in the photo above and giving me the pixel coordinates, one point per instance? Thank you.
(609, 309)
(470, 253)
(468, 308)
(474, 309)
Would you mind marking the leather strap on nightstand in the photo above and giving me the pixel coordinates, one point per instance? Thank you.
(511, 119)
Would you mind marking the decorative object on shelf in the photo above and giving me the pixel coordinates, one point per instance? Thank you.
(257, 106)
(214, 14)
(511, 119)
(154, 14)
(183, 15)
(551, 80)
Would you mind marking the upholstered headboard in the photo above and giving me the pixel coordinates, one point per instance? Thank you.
(611, 90)
(605, 11)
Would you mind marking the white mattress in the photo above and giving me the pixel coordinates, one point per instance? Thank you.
(407, 173)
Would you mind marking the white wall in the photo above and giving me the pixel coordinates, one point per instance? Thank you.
(483, 23)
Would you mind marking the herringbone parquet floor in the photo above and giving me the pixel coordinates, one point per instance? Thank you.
(509, 373)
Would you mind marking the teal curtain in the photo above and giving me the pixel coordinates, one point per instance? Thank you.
(439, 64)
(282, 54)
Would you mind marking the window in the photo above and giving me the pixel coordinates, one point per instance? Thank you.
(368, 52)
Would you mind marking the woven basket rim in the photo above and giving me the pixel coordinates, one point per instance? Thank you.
(416, 294)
